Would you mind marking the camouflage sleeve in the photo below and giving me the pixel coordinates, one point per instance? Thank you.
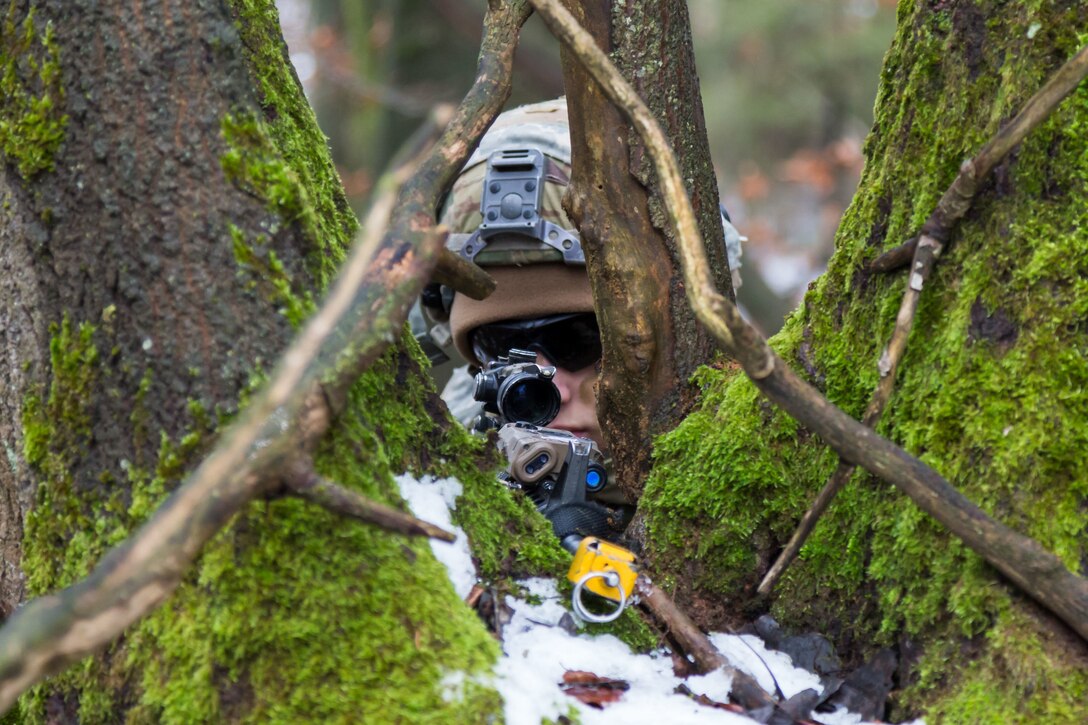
(458, 397)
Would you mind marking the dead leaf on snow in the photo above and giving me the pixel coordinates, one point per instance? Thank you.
(591, 689)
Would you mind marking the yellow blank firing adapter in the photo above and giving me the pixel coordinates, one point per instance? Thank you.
(605, 569)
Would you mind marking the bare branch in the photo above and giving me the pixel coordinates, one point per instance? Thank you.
(463, 18)
(308, 485)
(362, 315)
(895, 258)
(957, 200)
(953, 205)
(1035, 570)
(451, 269)
(469, 279)
(692, 641)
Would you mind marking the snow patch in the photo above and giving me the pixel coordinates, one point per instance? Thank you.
(432, 500)
(747, 653)
(453, 687)
(538, 649)
(538, 653)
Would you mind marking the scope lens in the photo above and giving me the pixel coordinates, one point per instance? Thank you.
(529, 399)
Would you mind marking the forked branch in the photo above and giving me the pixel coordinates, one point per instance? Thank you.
(363, 313)
(1036, 571)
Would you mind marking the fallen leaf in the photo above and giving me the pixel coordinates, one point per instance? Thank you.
(592, 690)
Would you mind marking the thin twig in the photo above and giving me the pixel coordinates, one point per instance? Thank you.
(306, 484)
(361, 316)
(926, 249)
(834, 484)
(474, 595)
(693, 642)
(955, 202)
(895, 258)
(1032, 568)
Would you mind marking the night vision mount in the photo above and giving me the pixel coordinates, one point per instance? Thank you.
(511, 203)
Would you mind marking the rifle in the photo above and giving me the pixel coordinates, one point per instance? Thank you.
(558, 471)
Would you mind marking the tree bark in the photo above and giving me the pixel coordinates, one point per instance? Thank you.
(130, 236)
(162, 242)
(651, 341)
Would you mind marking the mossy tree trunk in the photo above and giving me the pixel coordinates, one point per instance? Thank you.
(168, 216)
(990, 393)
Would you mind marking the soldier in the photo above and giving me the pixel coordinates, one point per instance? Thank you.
(524, 240)
(542, 300)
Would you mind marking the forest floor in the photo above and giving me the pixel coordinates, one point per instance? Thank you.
(553, 671)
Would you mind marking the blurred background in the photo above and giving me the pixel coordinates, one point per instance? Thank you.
(788, 89)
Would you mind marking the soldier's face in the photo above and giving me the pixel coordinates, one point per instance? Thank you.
(577, 401)
(569, 342)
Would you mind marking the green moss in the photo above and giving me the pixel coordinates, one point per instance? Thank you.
(254, 162)
(509, 536)
(1043, 682)
(56, 430)
(32, 123)
(291, 613)
(989, 392)
(291, 129)
(262, 270)
(139, 416)
(72, 523)
(309, 647)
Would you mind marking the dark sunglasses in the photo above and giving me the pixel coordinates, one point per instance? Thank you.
(571, 342)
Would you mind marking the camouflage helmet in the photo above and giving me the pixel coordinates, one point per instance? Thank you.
(513, 224)
(539, 126)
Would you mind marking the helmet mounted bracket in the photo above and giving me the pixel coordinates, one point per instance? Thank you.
(511, 203)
